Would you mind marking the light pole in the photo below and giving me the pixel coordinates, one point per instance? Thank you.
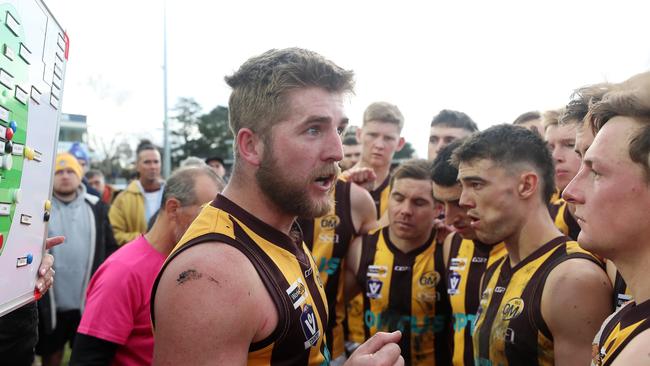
(167, 161)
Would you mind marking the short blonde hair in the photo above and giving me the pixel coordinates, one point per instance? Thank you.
(261, 85)
(551, 117)
(630, 98)
(383, 112)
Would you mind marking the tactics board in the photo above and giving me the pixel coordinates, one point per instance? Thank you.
(33, 55)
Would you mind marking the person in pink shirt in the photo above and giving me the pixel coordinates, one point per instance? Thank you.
(115, 327)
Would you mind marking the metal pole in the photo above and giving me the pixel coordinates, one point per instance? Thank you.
(167, 161)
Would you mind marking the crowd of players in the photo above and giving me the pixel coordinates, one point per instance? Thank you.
(522, 244)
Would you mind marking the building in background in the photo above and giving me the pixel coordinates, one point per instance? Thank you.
(72, 128)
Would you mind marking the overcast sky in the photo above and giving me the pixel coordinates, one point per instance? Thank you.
(492, 60)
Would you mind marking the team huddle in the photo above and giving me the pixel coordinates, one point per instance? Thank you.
(522, 244)
(501, 249)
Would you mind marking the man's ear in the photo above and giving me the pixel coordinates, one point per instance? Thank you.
(172, 206)
(528, 184)
(250, 146)
(400, 144)
(357, 134)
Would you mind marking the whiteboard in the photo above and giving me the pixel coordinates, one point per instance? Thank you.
(33, 57)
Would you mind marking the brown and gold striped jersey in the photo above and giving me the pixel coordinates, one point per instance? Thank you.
(618, 331)
(288, 273)
(563, 219)
(510, 329)
(468, 260)
(354, 321)
(400, 293)
(328, 237)
(622, 293)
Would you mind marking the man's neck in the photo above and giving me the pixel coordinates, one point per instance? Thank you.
(408, 245)
(150, 185)
(633, 266)
(244, 192)
(65, 197)
(536, 230)
(161, 237)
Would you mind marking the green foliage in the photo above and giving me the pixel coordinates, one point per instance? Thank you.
(406, 153)
(200, 135)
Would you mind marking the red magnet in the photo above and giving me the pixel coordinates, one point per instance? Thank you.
(9, 134)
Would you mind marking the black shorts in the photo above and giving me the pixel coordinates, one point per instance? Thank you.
(67, 323)
(18, 336)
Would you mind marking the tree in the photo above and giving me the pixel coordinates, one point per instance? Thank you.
(116, 157)
(404, 154)
(185, 127)
(203, 135)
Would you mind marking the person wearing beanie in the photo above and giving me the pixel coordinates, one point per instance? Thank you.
(79, 152)
(83, 220)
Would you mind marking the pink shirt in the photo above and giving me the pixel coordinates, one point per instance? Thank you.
(117, 302)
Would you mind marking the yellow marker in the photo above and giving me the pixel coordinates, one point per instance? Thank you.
(48, 205)
(29, 153)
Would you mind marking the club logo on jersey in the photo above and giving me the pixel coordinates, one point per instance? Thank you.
(328, 238)
(297, 293)
(309, 326)
(329, 222)
(513, 308)
(308, 272)
(479, 260)
(457, 264)
(376, 271)
(429, 279)
(454, 281)
(374, 288)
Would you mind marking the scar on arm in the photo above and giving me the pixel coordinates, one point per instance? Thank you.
(192, 274)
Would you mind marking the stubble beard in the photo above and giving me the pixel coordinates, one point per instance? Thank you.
(290, 196)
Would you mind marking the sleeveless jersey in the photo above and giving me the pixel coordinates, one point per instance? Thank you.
(468, 260)
(328, 237)
(563, 219)
(380, 196)
(400, 293)
(618, 330)
(288, 273)
(510, 329)
(354, 321)
(622, 293)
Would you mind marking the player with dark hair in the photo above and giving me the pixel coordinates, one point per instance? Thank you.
(532, 306)
(465, 256)
(447, 126)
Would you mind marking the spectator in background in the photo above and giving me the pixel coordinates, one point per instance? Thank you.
(446, 127)
(132, 209)
(217, 164)
(79, 152)
(116, 324)
(531, 120)
(83, 220)
(96, 180)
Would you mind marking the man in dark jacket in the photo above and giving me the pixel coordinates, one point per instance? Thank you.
(83, 220)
